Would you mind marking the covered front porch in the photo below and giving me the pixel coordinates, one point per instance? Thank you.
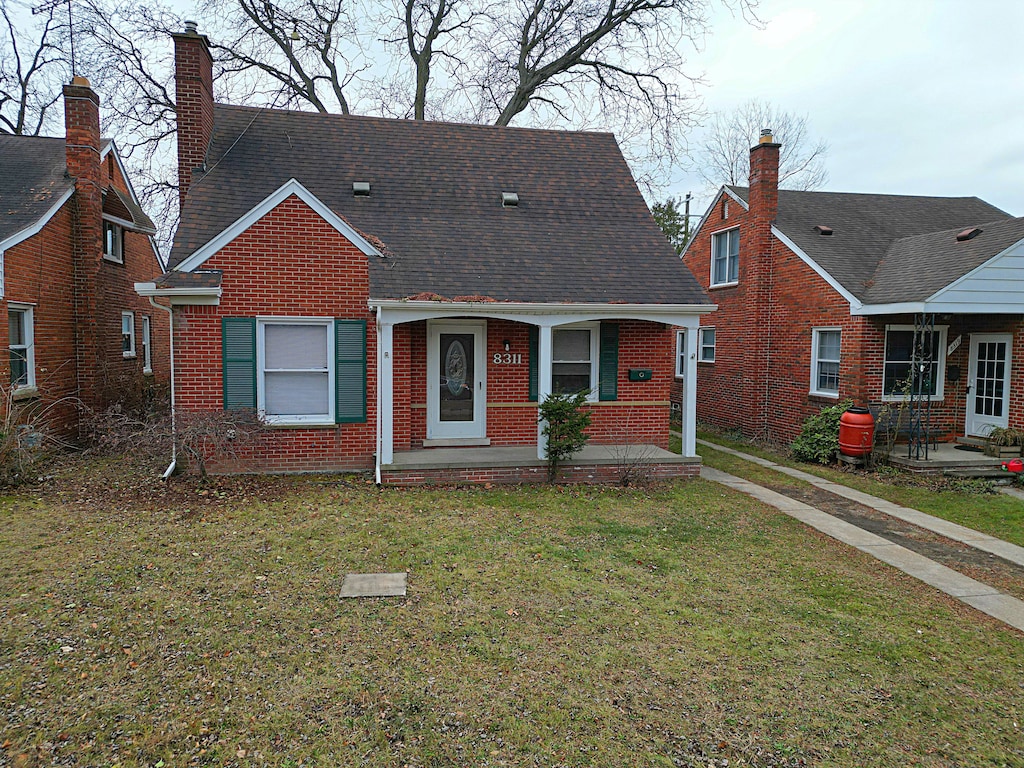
(459, 384)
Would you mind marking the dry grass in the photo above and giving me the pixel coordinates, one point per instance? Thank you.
(684, 625)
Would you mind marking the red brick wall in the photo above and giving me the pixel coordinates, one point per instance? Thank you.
(289, 263)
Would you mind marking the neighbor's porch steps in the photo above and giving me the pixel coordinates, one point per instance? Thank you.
(947, 459)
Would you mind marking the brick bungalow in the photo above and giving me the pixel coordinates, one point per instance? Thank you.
(384, 292)
(73, 242)
(914, 302)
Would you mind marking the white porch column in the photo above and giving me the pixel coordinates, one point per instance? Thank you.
(543, 382)
(386, 390)
(690, 390)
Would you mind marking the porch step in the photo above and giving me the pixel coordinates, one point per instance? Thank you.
(997, 475)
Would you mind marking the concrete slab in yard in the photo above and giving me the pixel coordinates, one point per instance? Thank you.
(374, 585)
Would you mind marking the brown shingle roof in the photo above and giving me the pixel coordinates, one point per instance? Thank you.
(863, 252)
(581, 231)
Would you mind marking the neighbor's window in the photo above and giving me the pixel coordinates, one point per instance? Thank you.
(20, 344)
(899, 353)
(680, 354)
(147, 349)
(574, 360)
(128, 334)
(296, 370)
(725, 257)
(706, 345)
(825, 362)
(113, 242)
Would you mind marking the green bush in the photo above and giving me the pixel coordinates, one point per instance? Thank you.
(565, 419)
(819, 437)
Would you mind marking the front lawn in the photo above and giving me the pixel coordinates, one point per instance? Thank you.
(200, 625)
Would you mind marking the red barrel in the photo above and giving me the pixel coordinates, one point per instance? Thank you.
(856, 432)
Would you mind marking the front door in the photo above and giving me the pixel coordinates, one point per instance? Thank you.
(988, 394)
(456, 380)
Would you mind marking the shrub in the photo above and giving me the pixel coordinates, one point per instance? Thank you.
(819, 436)
(29, 436)
(565, 420)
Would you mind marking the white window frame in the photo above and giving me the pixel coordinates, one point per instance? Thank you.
(28, 326)
(714, 239)
(130, 335)
(315, 419)
(940, 377)
(595, 353)
(816, 360)
(702, 345)
(116, 253)
(681, 354)
(147, 345)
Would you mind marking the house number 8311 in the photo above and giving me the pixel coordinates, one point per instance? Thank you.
(507, 358)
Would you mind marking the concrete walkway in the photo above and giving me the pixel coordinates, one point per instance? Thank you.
(974, 593)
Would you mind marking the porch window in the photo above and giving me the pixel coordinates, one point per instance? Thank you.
(680, 354)
(825, 362)
(899, 352)
(574, 357)
(20, 346)
(296, 376)
(706, 345)
(725, 257)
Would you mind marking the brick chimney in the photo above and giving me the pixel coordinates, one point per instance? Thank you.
(82, 149)
(756, 272)
(193, 75)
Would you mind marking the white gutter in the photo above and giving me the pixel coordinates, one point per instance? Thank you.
(380, 425)
(174, 426)
(180, 296)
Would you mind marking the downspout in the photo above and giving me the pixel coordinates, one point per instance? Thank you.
(380, 425)
(174, 427)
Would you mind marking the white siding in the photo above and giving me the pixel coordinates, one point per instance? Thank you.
(996, 286)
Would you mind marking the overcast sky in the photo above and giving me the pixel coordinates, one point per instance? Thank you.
(920, 97)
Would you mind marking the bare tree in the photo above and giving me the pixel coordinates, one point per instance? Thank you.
(724, 155)
(32, 67)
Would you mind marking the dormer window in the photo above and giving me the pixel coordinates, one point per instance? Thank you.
(725, 257)
(113, 242)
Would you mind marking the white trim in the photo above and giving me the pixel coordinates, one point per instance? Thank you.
(595, 355)
(855, 303)
(315, 419)
(28, 326)
(282, 193)
(130, 352)
(940, 378)
(477, 428)
(718, 233)
(815, 334)
(680, 353)
(700, 345)
(181, 296)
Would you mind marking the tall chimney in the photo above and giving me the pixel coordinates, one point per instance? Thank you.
(82, 151)
(764, 177)
(193, 75)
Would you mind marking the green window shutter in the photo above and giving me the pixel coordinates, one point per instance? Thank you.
(350, 371)
(238, 352)
(533, 350)
(608, 371)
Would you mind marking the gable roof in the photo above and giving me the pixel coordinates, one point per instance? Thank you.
(887, 248)
(581, 231)
(32, 181)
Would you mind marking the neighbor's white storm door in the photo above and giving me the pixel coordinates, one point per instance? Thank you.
(988, 394)
(456, 380)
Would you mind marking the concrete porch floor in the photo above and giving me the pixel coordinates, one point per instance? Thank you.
(526, 456)
(944, 456)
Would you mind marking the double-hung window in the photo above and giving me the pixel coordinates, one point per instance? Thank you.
(825, 343)
(706, 345)
(725, 257)
(113, 242)
(296, 375)
(21, 346)
(128, 334)
(574, 356)
(898, 380)
(147, 345)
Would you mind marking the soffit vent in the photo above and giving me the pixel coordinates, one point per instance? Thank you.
(824, 231)
(968, 234)
(509, 199)
(361, 188)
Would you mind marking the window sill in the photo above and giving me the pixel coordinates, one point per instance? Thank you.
(274, 424)
(716, 286)
(824, 395)
(25, 393)
(906, 399)
(112, 259)
(147, 371)
(705, 362)
(128, 355)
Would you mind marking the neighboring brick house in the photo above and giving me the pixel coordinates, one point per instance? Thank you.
(824, 296)
(325, 264)
(73, 242)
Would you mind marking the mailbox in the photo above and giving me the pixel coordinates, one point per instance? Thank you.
(640, 374)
